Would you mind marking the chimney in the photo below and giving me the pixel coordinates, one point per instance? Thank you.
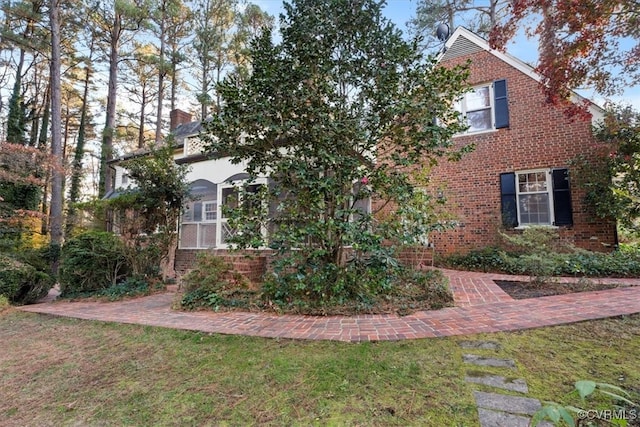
(178, 117)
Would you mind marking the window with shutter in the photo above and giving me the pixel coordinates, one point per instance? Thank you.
(485, 108)
(536, 197)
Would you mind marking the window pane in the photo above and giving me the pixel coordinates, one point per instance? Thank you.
(478, 99)
(207, 236)
(532, 182)
(189, 236)
(534, 209)
(197, 212)
(479, 120)
(210, 211)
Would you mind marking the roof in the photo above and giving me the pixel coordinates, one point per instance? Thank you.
(180, 133)
(465, 42)
(185, 130)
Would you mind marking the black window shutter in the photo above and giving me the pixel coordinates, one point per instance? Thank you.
(562, 197)
(508, 199)
(501, 104)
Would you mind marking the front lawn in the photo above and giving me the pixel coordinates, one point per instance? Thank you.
(60, 371)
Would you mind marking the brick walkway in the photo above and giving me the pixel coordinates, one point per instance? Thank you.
(481, 306)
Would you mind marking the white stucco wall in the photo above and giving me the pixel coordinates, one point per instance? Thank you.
(216, 171)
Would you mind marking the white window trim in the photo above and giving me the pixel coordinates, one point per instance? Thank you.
(218, 203)
(492, 107)
(549, 192)
(204, 211)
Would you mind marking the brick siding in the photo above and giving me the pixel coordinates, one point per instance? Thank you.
(251, 264)
(539, 136)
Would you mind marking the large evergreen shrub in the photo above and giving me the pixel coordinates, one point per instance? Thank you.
(21, 283)
(92, 261)
(341, 111)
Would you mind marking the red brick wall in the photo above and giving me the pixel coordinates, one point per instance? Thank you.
(416, 257)
(251, 264)
(254, 264)
(539, 136)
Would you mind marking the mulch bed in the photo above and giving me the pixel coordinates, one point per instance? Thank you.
(525, 290)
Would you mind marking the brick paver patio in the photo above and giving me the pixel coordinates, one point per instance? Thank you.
(480, 306)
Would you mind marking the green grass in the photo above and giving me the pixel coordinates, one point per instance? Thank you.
(58, 371)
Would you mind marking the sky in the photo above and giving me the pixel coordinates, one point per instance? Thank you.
(401, 11)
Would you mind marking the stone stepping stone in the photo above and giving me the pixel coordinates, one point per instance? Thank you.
(506, 403)
(517, 384)
(480, 345)
(489, 418)
(488, 361)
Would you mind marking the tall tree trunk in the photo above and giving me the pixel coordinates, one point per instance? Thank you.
(174, 83)
(35, 125)
(76, 172)
(162, 70)
(57, 174)
(106, 153)
(143, 103)
(46, 113)
(205, 96)
(42, 145)
(16, 116)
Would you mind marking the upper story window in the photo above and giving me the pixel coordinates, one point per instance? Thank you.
(485, 108)
(475, 107)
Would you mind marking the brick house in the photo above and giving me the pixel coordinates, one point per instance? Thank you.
(519, 173)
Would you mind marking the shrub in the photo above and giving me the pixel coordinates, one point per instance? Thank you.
(489, 259)
(4, 303)
(538, 239)
(91, 261)
(39, 258)
(418, 286)
(210, 283)
(130, 287)
(21, 283)
(620, 263)
(314, 283)
(144, 254)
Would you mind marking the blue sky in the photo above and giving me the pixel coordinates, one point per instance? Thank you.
(401, 11)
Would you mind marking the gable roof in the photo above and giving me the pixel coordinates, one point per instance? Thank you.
(465, 42)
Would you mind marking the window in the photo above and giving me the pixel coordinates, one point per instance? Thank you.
(198, 223)
(125, 179)
(536, 197)
(534, 201)
(486, 107)
(210, 210)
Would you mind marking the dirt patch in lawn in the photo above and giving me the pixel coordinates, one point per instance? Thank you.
(525, 290)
